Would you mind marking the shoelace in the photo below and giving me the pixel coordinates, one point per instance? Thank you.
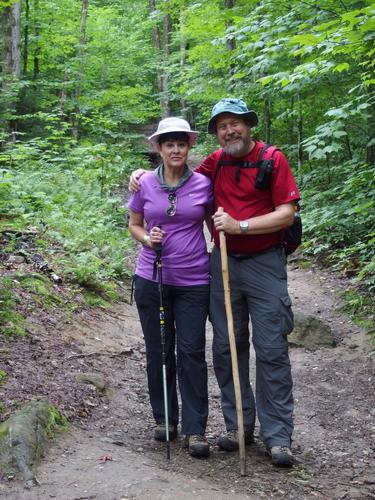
(198, 437)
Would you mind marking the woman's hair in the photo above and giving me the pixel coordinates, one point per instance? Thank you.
(174, 136)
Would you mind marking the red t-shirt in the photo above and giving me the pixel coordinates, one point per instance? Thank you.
(241, 200)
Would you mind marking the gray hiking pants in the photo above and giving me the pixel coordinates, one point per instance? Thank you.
(258, 286)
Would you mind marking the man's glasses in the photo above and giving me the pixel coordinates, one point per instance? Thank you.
(171, 210)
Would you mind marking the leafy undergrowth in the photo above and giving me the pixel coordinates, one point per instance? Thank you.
(339, 231)
(63, 230)
(360, 307)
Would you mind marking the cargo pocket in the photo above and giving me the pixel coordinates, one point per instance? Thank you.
(287, 318)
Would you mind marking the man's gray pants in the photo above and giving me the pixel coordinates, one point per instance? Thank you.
(258, 287)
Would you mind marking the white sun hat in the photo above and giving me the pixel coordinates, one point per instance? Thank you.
(172, 124)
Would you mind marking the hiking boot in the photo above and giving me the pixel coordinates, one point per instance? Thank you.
(197, 445)
(229, 441)
(160, 434)
(281, 456)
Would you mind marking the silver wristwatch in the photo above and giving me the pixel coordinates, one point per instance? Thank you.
(244, 226)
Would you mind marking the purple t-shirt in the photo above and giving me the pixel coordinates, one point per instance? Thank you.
(184, 251)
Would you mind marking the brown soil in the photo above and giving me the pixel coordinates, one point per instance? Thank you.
(109, 452)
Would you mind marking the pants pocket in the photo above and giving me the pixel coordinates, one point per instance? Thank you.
(287, 317)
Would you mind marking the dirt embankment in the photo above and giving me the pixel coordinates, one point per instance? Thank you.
(109, 452)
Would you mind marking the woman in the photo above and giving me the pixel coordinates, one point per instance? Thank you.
(169, 210)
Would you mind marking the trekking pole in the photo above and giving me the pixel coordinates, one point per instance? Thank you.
(162, 338)
(233, 349)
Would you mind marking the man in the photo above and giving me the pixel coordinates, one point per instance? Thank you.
(253, 220)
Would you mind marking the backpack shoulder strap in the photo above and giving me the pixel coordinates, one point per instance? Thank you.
(218, 165)
(269, 149)
(265, 167)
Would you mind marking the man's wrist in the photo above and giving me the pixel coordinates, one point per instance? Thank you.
(244, 226)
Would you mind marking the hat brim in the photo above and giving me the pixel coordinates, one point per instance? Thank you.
(193, 134)
(250, 116)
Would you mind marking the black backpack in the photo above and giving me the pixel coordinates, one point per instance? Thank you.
(292, 236)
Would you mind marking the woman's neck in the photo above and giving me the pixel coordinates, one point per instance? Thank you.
(172, 175)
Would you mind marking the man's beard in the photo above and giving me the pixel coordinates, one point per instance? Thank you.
(238, 148)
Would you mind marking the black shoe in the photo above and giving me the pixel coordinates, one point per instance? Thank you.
(281, 456)
(229, 441)
(197, 445)
(161, 435)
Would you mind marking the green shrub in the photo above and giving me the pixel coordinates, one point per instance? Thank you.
(11, 322)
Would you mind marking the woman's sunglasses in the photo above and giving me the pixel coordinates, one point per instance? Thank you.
(171, 210)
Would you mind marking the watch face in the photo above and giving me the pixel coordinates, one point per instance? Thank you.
(244, 226)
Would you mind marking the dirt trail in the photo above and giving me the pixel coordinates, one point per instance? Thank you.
(334, 439)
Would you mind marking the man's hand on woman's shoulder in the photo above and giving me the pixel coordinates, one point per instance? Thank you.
(133, 185)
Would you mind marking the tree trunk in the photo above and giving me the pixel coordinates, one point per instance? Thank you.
(291, 129)
(155, 29)
(16, 36)
(299, 132)
(7, 41)
(164, 80)
(231, 42)
(26, 38)
(64, 95)
(36, 70)
(81, 56)
(183, 46)
(156, 43)
(371, 129)
(161, 46)
(346, 137)
(267, 119)
(11, 41)
(11, 63)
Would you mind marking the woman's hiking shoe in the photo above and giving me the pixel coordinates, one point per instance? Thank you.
(160, 432)
(197, 445)
(281, 456)
(229, 440)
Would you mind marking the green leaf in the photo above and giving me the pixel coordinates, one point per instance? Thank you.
(342, 67)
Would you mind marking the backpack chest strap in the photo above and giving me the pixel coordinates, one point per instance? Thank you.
(239, 163)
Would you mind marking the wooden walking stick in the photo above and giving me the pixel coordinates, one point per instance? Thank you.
(233, 350)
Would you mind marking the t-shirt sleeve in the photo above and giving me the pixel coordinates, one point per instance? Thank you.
(136, 202)
(207, 166)
(284, 187)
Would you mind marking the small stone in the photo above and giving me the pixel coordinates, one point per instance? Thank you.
(95, 379)
(16, 259)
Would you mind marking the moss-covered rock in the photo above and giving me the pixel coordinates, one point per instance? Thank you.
(11, 322)
(24, 437)
(310, 332)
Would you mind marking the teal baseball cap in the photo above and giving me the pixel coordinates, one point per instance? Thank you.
(231, 105)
